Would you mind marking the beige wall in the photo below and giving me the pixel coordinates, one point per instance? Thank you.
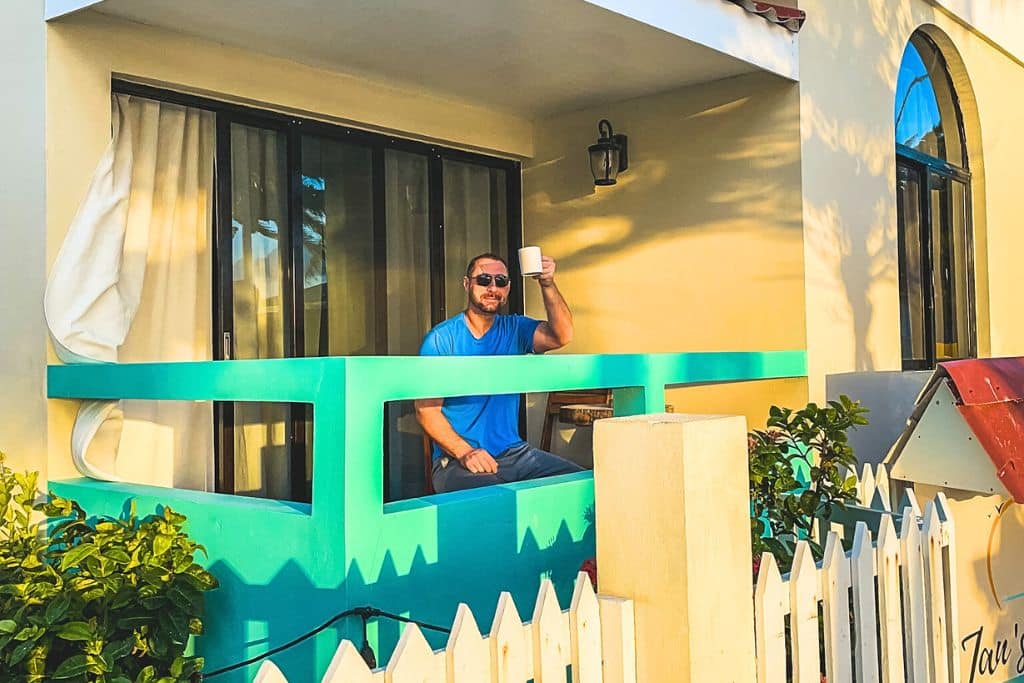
(22, 266)
(83, 53)
(699, 245)
(989, 552)
(849, 59)
(1001, 21)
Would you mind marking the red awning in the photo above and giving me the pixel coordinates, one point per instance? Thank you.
(788, 17)
(990, 396)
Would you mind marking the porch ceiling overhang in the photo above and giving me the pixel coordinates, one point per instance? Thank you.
(529, 57)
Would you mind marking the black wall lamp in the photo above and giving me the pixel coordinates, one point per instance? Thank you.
(608, 157)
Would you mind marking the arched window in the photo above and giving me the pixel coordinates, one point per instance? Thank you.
(934, 212)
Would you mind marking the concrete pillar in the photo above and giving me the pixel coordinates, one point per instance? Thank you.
(23, 233)
(673, 534)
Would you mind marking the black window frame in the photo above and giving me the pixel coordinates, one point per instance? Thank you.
(925, 167)
(294, 127)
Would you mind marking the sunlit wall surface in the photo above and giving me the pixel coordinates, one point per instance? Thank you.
(850, 94)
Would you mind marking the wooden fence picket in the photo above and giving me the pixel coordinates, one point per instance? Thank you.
(914, 614)
(269, 673)
(949, 556)
(866, 486)
(909, 500)
(550, 640)
(509, 649)
(467, 657)
(835, 586)
(347, 666)
(862, 576)
(890, 620)
(935, 593)
(883, 489)
(618, 644)
(770, 607)
(804, 589)
(585, 632)
(413, 661)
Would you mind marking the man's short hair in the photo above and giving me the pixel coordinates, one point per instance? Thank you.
(488, 256)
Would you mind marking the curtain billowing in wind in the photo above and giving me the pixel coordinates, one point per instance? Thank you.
(132, 283)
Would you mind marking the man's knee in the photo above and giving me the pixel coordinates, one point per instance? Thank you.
(545, 464)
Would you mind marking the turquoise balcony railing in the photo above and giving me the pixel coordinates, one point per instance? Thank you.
(285, 567)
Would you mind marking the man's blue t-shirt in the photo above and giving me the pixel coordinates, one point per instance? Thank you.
(488, 422)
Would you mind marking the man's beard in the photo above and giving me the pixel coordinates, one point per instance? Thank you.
(484, 304)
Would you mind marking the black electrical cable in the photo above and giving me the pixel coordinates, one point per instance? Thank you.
(365, 613)
(421, 624)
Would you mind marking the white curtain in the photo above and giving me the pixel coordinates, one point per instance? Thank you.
(467, 225)
(132, 283)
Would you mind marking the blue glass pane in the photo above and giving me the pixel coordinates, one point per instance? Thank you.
(926, 111)
(918, 120)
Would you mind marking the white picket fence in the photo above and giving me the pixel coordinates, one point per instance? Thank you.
(873, 489)
(902, 590)
(594, 637)
(881, 611)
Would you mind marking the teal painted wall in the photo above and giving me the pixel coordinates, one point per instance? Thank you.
(285, 568)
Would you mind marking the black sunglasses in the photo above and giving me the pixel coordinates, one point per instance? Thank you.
(484, 280)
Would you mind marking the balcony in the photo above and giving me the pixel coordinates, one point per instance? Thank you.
(286, 567)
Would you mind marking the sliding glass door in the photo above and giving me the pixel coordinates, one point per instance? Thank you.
(331, 242)
(257, 433)
(471, 205)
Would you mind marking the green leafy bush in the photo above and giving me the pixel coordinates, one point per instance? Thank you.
(94, 600)
(799, 470)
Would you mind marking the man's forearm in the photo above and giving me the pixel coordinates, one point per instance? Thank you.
(558, 313)
(438, 428)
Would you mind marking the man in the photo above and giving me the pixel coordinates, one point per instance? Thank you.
(476, 438)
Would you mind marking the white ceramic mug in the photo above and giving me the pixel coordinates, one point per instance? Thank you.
(529, 261)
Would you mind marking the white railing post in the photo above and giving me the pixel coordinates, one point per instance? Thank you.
(673, 535)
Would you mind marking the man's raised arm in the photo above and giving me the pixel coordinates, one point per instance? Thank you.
(556, 331)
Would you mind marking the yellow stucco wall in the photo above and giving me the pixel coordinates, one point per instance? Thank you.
(698, 247)
(85, 50)
(849, 60)
(22, 192)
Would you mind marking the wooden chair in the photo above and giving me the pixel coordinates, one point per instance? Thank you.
(428, 465)
(557, 400)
